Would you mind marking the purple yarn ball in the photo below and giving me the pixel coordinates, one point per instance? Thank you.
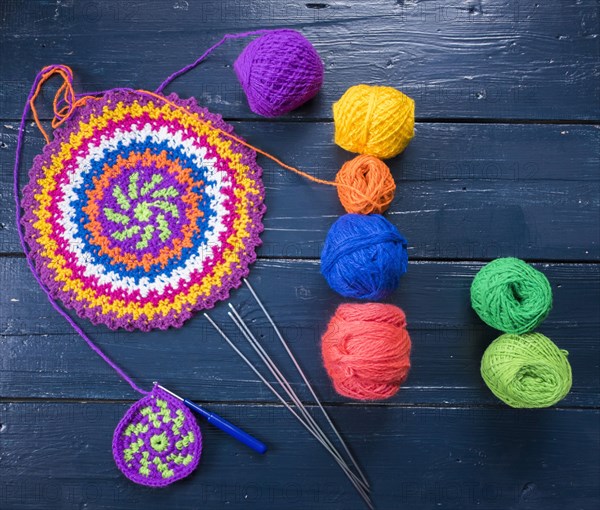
(279, 71)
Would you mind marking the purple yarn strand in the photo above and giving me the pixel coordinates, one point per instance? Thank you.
(18, 215)
(191, 66)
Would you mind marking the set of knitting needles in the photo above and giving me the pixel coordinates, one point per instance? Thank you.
(293, 403)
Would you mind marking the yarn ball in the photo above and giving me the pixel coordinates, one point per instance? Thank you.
(526, 371)
(510, 295)
(279, 71)
(366, 350)
(374, 120)
(364, 257)
(365, 185)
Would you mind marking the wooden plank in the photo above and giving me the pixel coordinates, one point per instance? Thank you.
(40, 356)
(469, 190)
(58, 455)
(465, 191)
(503, 59)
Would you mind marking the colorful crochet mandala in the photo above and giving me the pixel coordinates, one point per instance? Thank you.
(158, 441)
(139, 213)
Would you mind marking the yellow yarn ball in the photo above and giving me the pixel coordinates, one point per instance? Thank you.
(374, 120)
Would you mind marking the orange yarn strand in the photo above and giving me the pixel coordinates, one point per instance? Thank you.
(35, 95)
(356, 197)
(246, 144)
(352, 191)
(68, 96)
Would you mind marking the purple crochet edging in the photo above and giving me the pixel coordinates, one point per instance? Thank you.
(138, 441)
(256, 210)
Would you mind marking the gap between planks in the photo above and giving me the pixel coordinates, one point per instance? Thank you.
(248, 403)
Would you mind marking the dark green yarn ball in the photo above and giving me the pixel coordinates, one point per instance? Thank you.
(510, 295)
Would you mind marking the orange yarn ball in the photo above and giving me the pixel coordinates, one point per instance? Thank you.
(366, 350)
(366, 185)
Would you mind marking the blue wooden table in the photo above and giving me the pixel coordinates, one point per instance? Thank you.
(505, 161)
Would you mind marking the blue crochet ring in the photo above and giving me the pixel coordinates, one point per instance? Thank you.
(364, 257)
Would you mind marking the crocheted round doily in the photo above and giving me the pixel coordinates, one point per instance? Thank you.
(138, 213)
(158, 441)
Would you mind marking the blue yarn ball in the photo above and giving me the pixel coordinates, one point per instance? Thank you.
(364, 257)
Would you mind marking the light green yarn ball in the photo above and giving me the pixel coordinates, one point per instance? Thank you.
(526, 371)
(510, 295)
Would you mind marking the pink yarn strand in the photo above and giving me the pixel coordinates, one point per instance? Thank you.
(18, 216)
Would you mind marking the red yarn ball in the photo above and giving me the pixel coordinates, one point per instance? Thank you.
(366, 350)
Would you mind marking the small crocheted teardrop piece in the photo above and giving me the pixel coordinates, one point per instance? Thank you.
(158, 441)
(142, 211)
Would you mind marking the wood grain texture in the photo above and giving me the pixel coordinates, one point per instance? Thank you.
(508, 59)
(448, 338)
(449, 458)
(505, 162)
(465, 191)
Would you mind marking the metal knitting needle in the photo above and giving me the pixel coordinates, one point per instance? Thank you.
(346, 470)
(305, 379)
(311, 429)
(352, 477)
(221, 423)
(255, 344)
(310, 421)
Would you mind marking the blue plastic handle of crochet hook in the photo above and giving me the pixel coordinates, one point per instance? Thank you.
(229, 428)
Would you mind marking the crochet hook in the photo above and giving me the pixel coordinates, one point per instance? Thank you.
(221, 423)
